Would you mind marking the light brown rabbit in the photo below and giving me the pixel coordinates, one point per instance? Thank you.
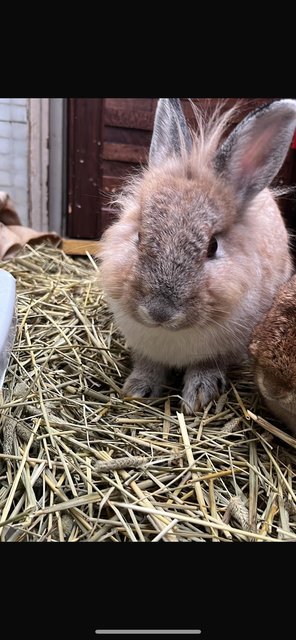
(273, 347)
(199, 249)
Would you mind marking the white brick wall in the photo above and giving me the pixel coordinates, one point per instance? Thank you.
(14, 141)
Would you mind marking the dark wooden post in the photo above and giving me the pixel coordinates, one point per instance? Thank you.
(85, 123)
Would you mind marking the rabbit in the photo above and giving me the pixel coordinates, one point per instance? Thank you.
(273, 349)
(199, 248)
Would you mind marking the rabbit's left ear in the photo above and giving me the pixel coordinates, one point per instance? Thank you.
(255, 150)
(170, 132)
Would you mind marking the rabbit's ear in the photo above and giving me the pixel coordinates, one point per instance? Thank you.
(170, 132)
(255, 150)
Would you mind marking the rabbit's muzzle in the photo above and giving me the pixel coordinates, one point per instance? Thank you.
(160, 313)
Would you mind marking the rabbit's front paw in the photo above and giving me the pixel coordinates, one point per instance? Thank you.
(145, 381)
(201, 386)
(138, 387)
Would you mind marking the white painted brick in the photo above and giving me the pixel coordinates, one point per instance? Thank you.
(23, 214)
(5, 112)
(22, 210)
(19, 194)
(4, 177)
(5, 161)
(18, 101)
(19, 147)
(18, 164)
(14, 101)
(20, 201)
(18, 113)
(19, 180)
(14, 153)
(5, 146)
(19, 131)
(5, 129)
(13, 112)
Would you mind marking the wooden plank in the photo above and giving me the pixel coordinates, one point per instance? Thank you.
(125, 152)
(136, 104)
(118, 169)
(112, 183)
(110, 186)
(130, 119)
(84, 167)
(126, 135)
(72, 246)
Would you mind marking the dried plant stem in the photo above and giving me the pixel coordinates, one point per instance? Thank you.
(190, 459)
(121, 463)
(274, 430)
(79, 462)
(17, 479)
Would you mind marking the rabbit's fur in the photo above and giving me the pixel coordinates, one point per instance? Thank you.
(178, 301)
(273, 347)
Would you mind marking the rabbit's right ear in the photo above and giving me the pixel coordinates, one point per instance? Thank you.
(255, 150)
(170, 132)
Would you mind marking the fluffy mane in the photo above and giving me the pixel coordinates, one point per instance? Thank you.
(207, 134)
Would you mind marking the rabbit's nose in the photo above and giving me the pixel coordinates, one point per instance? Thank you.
(157, 312)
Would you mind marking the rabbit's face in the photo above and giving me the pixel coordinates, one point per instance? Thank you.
(274, 353)
(272, 385)
(279, 394)
(177, 277)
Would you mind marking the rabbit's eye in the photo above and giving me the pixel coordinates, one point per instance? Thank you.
(212, 248)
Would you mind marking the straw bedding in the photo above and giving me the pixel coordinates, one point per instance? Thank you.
(79, 463)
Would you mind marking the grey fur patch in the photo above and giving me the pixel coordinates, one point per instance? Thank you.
(201, 385)
(146, 379)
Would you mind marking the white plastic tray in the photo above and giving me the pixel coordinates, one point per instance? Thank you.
(7, 320)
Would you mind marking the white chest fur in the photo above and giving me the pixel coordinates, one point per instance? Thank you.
(176, 348)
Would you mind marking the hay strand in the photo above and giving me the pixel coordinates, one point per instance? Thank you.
(80, 463)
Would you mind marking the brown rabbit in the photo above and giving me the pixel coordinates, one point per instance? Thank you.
(273, 347)
(199, 249)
